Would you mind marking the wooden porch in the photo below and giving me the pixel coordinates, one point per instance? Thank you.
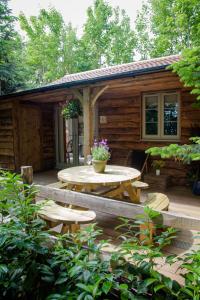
(181, 198)
(184, 214)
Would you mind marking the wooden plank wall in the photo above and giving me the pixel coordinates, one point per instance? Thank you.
(122, 121)
(10, 138)
(6, 136)
(48, 139)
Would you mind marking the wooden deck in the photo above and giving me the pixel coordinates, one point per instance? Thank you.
(182, 201)
(181, 198)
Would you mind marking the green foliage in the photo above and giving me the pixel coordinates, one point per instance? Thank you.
(144, 38)
(168, 26)
(34, 265)
(184, 153)
(11, 71)
(191, 263)
(107, 38)
(188, 69)
(50, 51)
(72, 109)
(52, 48)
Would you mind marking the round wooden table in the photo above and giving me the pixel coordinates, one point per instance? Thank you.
(85, 178)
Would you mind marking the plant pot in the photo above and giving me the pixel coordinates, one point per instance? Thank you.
(196, 187)
(99, 165)
(157, 172)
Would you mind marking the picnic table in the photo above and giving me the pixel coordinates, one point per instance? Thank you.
(118, 178)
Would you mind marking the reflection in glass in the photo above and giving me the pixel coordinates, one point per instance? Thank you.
(170, 115)
(151, 116)
(151, 102)
(151, 128)
(170, 128)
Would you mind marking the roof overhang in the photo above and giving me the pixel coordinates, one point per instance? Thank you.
(88, 81)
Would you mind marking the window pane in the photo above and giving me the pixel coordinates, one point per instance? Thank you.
(170, 114)
(170, 128)
(151, 102)
(151, 128)
(170, 101)
(151, 116)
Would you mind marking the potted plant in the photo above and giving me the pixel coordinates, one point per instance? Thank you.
(157, 165)
(72, 109)
(100, 155)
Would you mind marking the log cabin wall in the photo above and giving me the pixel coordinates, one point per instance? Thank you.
(7, 155)
(120, 121)
(26, 135)
(37, 143)
(48, 138)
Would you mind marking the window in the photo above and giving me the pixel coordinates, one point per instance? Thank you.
(161, 116)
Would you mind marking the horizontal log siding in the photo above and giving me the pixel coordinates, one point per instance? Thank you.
(48, 142)
(6, 136)
(123, 129)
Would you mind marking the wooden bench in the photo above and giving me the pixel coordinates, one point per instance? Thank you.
(71, 219)
(58, 185)
(157, 201)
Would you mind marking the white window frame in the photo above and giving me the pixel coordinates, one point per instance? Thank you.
(160, 135)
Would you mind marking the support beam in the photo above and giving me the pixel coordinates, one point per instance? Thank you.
(78, 94)
(87, 122)
(90, 114)
(97, 92)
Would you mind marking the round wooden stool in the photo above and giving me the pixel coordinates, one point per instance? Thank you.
(71, 219)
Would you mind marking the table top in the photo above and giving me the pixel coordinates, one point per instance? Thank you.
(84, 175)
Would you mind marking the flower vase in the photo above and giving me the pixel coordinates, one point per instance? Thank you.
(157, 172)
(99, 165)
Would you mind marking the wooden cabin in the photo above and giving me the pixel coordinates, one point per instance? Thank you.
(135, 106)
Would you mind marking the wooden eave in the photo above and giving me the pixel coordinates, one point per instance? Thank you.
(129, 85)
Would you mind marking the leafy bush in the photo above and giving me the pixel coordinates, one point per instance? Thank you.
(183, 153)
(34, 265)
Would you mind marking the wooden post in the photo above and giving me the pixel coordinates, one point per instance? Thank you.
(75, 141)
(88, 100)
(87, 121)
(27, 174)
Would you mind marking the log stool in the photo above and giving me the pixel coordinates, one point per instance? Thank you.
(137, 187)
(71, 219)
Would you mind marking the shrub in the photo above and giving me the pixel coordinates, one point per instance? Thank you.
(33, 265)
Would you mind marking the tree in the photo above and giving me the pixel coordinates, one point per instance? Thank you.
(143, 32)
(50, 47)
(11, 72)
(173, 25)
(188, 69)
(108, 38)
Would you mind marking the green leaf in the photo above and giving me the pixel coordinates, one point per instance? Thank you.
(149, 281)
(106, 287)
(158, 287)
